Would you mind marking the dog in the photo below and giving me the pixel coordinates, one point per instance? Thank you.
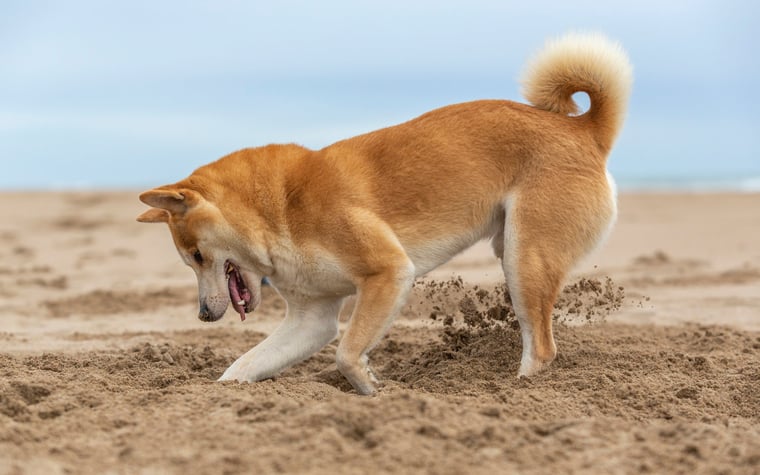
(369, 214)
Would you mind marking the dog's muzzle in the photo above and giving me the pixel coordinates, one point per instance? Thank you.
(205, 315)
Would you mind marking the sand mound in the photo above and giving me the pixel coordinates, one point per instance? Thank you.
(647, 398)
(674, 398)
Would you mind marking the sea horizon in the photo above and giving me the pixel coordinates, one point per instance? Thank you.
(625, 184)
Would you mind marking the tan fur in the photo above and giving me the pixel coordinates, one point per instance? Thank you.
(368, 214)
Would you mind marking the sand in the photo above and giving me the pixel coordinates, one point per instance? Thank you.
(104, 367)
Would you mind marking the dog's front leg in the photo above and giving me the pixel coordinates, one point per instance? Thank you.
(306, 329)
(379, 299)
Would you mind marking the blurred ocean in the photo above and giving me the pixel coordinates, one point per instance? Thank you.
(674, 184)
(690, 184)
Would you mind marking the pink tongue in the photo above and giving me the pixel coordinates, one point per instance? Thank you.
(235, 295)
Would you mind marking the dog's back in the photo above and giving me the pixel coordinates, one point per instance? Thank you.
(444, 175)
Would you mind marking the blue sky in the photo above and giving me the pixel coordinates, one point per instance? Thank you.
(139, 93)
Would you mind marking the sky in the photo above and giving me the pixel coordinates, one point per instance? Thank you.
(136, 94)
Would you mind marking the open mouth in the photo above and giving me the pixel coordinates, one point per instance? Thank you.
(239, 294)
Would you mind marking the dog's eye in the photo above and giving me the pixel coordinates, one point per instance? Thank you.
(198, 257)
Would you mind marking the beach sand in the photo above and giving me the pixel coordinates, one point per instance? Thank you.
(104, 367)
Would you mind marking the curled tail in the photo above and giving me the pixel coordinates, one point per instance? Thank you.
(588, 63)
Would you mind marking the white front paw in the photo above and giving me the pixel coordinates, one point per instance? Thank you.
(235, 373)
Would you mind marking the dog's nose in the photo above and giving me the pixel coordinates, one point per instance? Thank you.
(203, 313)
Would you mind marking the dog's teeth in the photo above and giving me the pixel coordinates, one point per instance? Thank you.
(242, 302)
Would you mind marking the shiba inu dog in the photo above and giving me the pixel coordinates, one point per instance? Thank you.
(369, 214)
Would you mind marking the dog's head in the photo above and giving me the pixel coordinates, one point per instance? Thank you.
(226, 261)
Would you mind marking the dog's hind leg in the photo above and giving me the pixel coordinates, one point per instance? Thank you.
(543, 238)
(533, 287)
(306, 329)
(534, 275)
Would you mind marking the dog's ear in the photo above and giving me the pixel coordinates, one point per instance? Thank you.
(154, 215)
(175, 201)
